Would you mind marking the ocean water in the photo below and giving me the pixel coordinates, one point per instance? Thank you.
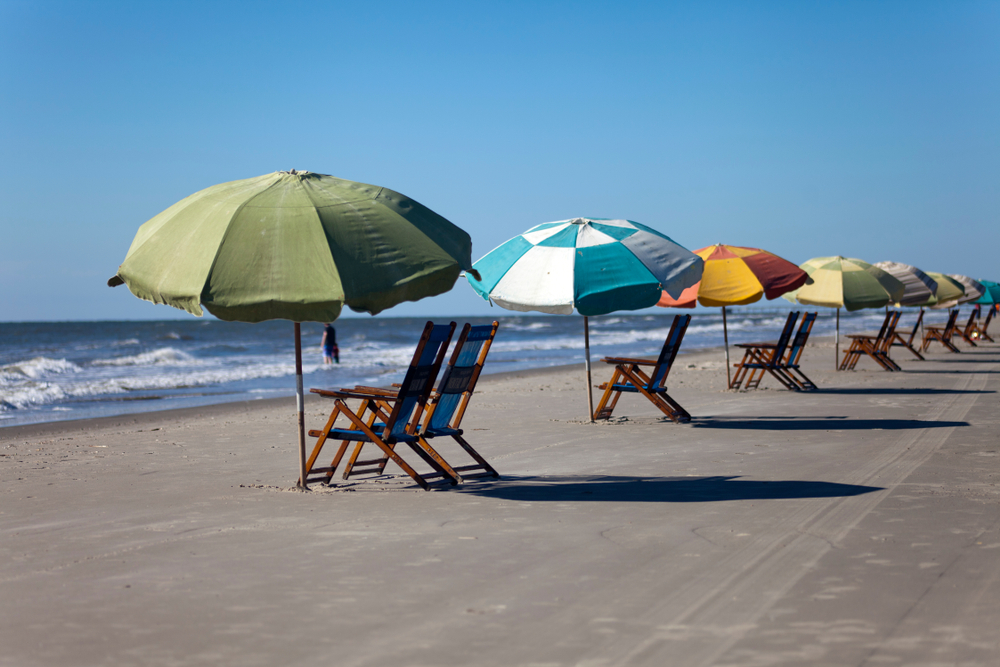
(72, 370)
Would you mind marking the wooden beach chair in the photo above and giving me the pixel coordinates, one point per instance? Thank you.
(970, 327)
(628, 376)
(790, 365)
(941, 334)
(399, 423)
(898, 339)
(981, 330)
(761, 358)
(876, 347)
(458, 382)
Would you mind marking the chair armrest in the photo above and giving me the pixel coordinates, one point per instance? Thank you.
(627, 360)
(766, 346)
(344, 393)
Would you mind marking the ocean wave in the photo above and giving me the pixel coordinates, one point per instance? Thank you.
(162, 356)
(36, 368)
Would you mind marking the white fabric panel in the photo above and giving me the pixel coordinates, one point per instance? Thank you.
(588, 236)
(534, 238)
(541, 280)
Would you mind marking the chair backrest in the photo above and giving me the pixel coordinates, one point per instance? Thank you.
(989, 316)
(669, 351)
(949, 329)
(786, 335)
(801, 336)
(971, 324)
(890, 332)
(416, 386)
(881, 332)
(458, 381)
(916, 327)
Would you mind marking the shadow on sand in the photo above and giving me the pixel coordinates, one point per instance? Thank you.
(817, 423)
(903, 390)
(601, 488)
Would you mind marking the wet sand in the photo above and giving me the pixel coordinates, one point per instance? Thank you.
(855, 525)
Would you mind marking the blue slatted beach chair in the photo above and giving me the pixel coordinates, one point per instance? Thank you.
(628, 376)
(790, 365)
(458, 382)
(761, 358)
(399, 423)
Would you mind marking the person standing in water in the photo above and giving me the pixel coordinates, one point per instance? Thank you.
(329, 344)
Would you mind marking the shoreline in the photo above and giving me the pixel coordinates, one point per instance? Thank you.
(228, 408)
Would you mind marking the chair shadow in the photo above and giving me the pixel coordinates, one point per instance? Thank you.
(817, 423)
(603, 488)
(903, 391)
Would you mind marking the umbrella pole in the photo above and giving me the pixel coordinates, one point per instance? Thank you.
(836, 345)
(300, 404)
(725, 337)
(586, 347)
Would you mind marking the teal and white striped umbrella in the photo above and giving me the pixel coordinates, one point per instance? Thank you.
(590, 265)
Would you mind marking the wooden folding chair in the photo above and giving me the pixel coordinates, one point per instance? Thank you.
(399, 423)
(876, 347)
(941, 334)
(628, 376)
(790, 365)
(761, 358)
(458, 382)
(898, 339)
(970, 327)
(981, 330)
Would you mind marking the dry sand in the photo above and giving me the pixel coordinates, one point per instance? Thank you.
(855, 525)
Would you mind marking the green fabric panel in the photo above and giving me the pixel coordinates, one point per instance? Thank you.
(608, 278)
(861, 290)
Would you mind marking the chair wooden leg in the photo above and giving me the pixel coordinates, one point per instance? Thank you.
(475, 455)
(603, 409)
(364, 428)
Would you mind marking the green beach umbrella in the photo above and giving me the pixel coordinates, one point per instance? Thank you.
(844, 282)
(948, 291)
(296, 246)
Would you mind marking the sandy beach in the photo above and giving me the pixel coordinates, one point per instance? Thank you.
(855, 525)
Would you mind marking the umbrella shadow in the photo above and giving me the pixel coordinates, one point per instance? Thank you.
(602, 488)
(903, 391)
(817, 423)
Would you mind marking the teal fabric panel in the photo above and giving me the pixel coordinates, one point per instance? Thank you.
(564, 239)
(495, 265)
(618, 233)
(609, 278)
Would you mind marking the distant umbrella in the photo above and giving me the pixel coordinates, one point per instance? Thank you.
(918, 287)
(973, 288)
(735, 276)
(992, 293)
(591, 265)
(844, 282)
(296, 246)
(948, 293)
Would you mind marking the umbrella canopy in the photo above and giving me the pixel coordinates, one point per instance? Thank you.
(918, 287)
(844, 282)
(948, 291)
(590, 265)
(973, 288)
(294, 246)
(992, 293)
(736, 276)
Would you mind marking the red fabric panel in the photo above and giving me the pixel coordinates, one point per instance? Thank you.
(777, 275)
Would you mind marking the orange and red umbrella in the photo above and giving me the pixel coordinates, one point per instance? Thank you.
(735, 276)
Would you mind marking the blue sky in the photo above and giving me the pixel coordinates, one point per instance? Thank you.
(866, 129)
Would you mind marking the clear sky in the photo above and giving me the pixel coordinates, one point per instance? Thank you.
(865, 129)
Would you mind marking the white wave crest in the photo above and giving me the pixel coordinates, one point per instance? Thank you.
(35, 368)
(166, 356)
